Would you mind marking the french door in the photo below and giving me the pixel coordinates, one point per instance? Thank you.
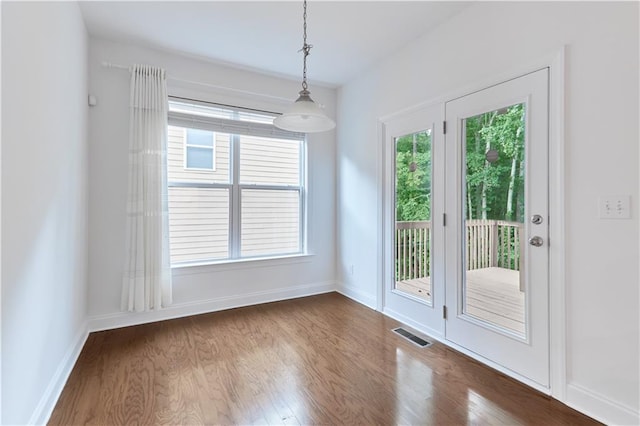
(466, 223)
(414, 261)
(497, 257)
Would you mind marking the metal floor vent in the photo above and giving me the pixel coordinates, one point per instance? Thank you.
(412, 337)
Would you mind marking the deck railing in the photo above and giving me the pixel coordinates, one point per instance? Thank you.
(490, 243)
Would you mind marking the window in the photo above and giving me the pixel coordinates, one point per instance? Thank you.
(236, 184)
(199, 149)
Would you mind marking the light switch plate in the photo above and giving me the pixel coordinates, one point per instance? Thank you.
(614, 207)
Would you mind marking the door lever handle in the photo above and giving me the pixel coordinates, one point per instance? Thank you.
(536, 241)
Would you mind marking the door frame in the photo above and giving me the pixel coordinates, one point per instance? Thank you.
(527, 353)
(555, 61)
(428, 116)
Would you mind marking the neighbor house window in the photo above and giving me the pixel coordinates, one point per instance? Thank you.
(199, 149)
(236, 184)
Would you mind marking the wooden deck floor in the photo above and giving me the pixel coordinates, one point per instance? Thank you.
(493, 295)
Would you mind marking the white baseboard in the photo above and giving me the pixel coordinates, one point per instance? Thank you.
(126, 319)
(434, 334)
(50, 396)
(357, 295)
(577, 397)
(600, 407)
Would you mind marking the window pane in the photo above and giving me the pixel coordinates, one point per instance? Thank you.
(199, 137)
(494, 218)
(217, 159)
(201, 110)
(176, 161)
(255, 117)
(220, 112)
(413, 215)
(270, 222)
(199, 158)
(269, 161)
(198, 223)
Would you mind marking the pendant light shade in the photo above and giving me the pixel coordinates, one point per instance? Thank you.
(304, 115)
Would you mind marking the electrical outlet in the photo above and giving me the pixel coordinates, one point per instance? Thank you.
(614, 207)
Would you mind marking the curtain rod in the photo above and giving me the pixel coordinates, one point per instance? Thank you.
(199, 83)
(200, 101)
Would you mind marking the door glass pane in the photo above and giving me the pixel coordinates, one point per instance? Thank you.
(494, 218)
(413, 215)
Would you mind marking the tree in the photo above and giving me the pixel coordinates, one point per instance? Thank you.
(505, 134)
(494, 190)
(413, 185)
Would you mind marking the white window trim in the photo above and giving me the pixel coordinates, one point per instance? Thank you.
(235, 190)
(187, 145)
(206, 267)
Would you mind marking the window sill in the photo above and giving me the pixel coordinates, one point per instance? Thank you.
(227, 265)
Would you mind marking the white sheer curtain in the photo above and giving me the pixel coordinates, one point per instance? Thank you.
(147, 274)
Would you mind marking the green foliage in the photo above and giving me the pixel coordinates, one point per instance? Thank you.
(413, 188)
(494, 190)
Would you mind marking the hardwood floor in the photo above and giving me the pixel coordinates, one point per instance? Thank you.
(317, 360)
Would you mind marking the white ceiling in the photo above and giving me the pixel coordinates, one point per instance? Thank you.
(348, 36)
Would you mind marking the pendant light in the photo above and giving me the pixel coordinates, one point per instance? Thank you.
(304, 115)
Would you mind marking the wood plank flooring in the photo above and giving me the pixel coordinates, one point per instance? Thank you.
(317, 360)
(493, 295)
(419, 287)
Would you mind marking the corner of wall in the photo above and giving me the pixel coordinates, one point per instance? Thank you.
(357, 295)
(45, 236)
(180, 310)
(51, 394)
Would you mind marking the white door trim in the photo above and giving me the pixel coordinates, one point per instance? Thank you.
(421, 315)
(557, 294)
(557, 300)
(525, 351)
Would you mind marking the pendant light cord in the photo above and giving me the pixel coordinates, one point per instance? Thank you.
(306, 48)
(304, 115)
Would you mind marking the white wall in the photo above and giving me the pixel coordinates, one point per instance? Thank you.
(44, 203)
(205, 288)
(490, 39)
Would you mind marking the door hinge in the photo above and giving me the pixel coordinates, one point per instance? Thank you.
(444, 311)
(444, 127)
(444, 219)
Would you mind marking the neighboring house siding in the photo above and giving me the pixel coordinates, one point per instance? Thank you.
(198, 223)
(271, 162)
(199, 217)
(270, 222)
(175, 159)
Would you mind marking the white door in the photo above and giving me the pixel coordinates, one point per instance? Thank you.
(413, 267)
(497, 256)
